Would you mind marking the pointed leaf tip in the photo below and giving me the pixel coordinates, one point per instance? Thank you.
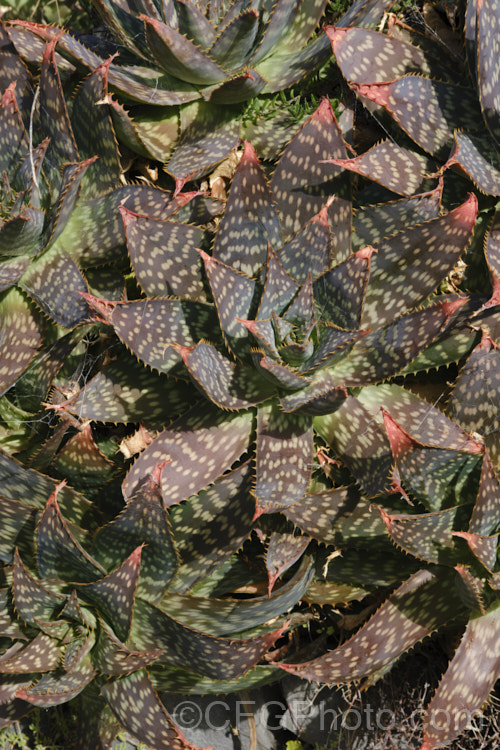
(103, 307)
(376, 92)
(157, 471)
(249, 154)
(449, 308)
(399, 440)
(53, 497)
(365, 253)
(336, 35)
(206, 258)
(9, 95)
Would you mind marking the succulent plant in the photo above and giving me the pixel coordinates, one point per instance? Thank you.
(192, 65)
(60, 230)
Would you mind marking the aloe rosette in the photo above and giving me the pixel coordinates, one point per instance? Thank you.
(192, 65)
(60, 231)
(90, 617)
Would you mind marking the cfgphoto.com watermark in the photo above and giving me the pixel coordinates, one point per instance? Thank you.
(220, 715)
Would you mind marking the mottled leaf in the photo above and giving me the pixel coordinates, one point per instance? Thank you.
(283, 550)
(93, 129)
(437, 476)
(474, 401)
(301, 182)
(126, 391)
(398, 169)
(279, 288)
(228, 384)
(447, 107)
(142, 521)
(212, 525)
(114, 594)
(59, 554)
(54, 119)
(284, 457)
(54, 281)
(396, 273)
(339, 293)
(357, 438)
(485, 517)
(336, 517)
(467, 682)
(21, 332)
(150, 326)
(163, 255)
(138, 708)
(382, 220)
(216, 657)
(52, 690)
(427, 536)
(233, 293)
(42, 654)
(235, 43)
(111, 657)
(31, 599)
(233, 615)
(473, 154)
(414, 611)
(178, 56)
(250, 220)
(317, 238)
(15, 518)
(212, 439)
(488, 65)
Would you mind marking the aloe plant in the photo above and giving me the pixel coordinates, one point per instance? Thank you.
(192, 66)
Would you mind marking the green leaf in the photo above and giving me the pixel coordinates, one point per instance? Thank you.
(21, 332)
(215, 657)
(31, 599)
(22, 234)
(178, 56)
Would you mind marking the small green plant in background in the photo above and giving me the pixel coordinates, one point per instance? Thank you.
(76, 15)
